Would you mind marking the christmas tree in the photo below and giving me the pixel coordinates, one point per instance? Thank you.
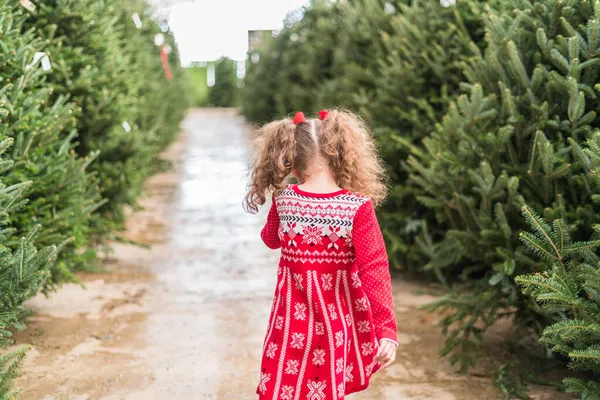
(224, 93)
(512, 140)
(569, 284)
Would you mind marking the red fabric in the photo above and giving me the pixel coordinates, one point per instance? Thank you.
(269, 232)
(164, 57)
(333, 300)
(374, 271)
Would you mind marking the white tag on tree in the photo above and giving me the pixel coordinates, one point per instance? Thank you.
(159, 39)
(136, 20)
(27, 4)
(40, 55)
(46, 66)
(126, 126)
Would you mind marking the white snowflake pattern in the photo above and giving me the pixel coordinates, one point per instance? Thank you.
(367, 348)
(348, 320)
(339, 339)
(264, 378)
(349, 369)
(287, 392)
(339, 365)
(340, 390)
(369, 368)
(332, 312)
(334, 236)
(297, 340)
(355, 280)
(292, 367)
(271, 350)
(312, 235)
(364, 326)
(319, 357)
(279, 322)
(298, 280)
(327, 281)
(361, 304)
(349, 238)
(316, 390)
(300, 312)
(319, 329)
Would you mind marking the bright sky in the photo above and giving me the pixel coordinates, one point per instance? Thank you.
(205, 30)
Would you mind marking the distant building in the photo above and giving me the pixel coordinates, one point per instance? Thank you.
(255, 38)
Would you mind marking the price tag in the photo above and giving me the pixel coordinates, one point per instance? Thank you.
(136, 20)
(126, 126)
(27, 4)
(40, 55)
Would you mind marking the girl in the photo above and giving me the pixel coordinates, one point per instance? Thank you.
(332, 322)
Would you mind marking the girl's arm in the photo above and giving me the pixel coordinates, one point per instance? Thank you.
(373, 271)
(270, 232)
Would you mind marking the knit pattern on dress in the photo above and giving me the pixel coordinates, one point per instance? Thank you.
(333, 299)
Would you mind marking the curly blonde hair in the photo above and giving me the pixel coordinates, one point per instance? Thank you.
(342, 139)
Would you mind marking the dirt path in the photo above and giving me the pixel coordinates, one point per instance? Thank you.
(186, 318)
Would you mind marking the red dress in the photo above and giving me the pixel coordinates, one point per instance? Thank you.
(333, 298)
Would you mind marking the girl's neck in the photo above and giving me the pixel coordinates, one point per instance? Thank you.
(320, 181)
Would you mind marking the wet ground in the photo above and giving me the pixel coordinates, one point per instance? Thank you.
(185, 319)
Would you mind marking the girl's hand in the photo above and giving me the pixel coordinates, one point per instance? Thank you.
(386, 354)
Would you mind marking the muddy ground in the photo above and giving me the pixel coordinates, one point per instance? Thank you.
(185, 319)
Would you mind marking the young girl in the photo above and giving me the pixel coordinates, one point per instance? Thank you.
(332, 322)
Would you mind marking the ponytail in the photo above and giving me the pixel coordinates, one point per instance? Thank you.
(348, 146)
(273, 162)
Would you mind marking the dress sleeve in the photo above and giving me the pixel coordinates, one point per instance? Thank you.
(270, 232)
(373, 271)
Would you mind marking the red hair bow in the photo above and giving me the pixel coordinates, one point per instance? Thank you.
(323, 114)
(299, 118)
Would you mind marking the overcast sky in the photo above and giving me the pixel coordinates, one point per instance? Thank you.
(205, 30)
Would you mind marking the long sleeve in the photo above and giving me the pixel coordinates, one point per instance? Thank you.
(270, 232)
(373, 270)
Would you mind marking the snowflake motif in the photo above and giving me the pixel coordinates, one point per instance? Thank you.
(339, 339)
(340, 390)
(348, 320)
(287, 392)
(312, 235)
(316, 390)
(279, 322)
(319, 330)
(349, 369)
(297, 340)
(319, 357)
(355, 280)
(271, 350)
(369, 368)
(298, 280)
(300, 312)
(349, 238)
(364, 326)
(264, 378)
(332, 312)
(326, 280)
(367, 348)
(292, 367)
(361, 304)
(339, 365)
